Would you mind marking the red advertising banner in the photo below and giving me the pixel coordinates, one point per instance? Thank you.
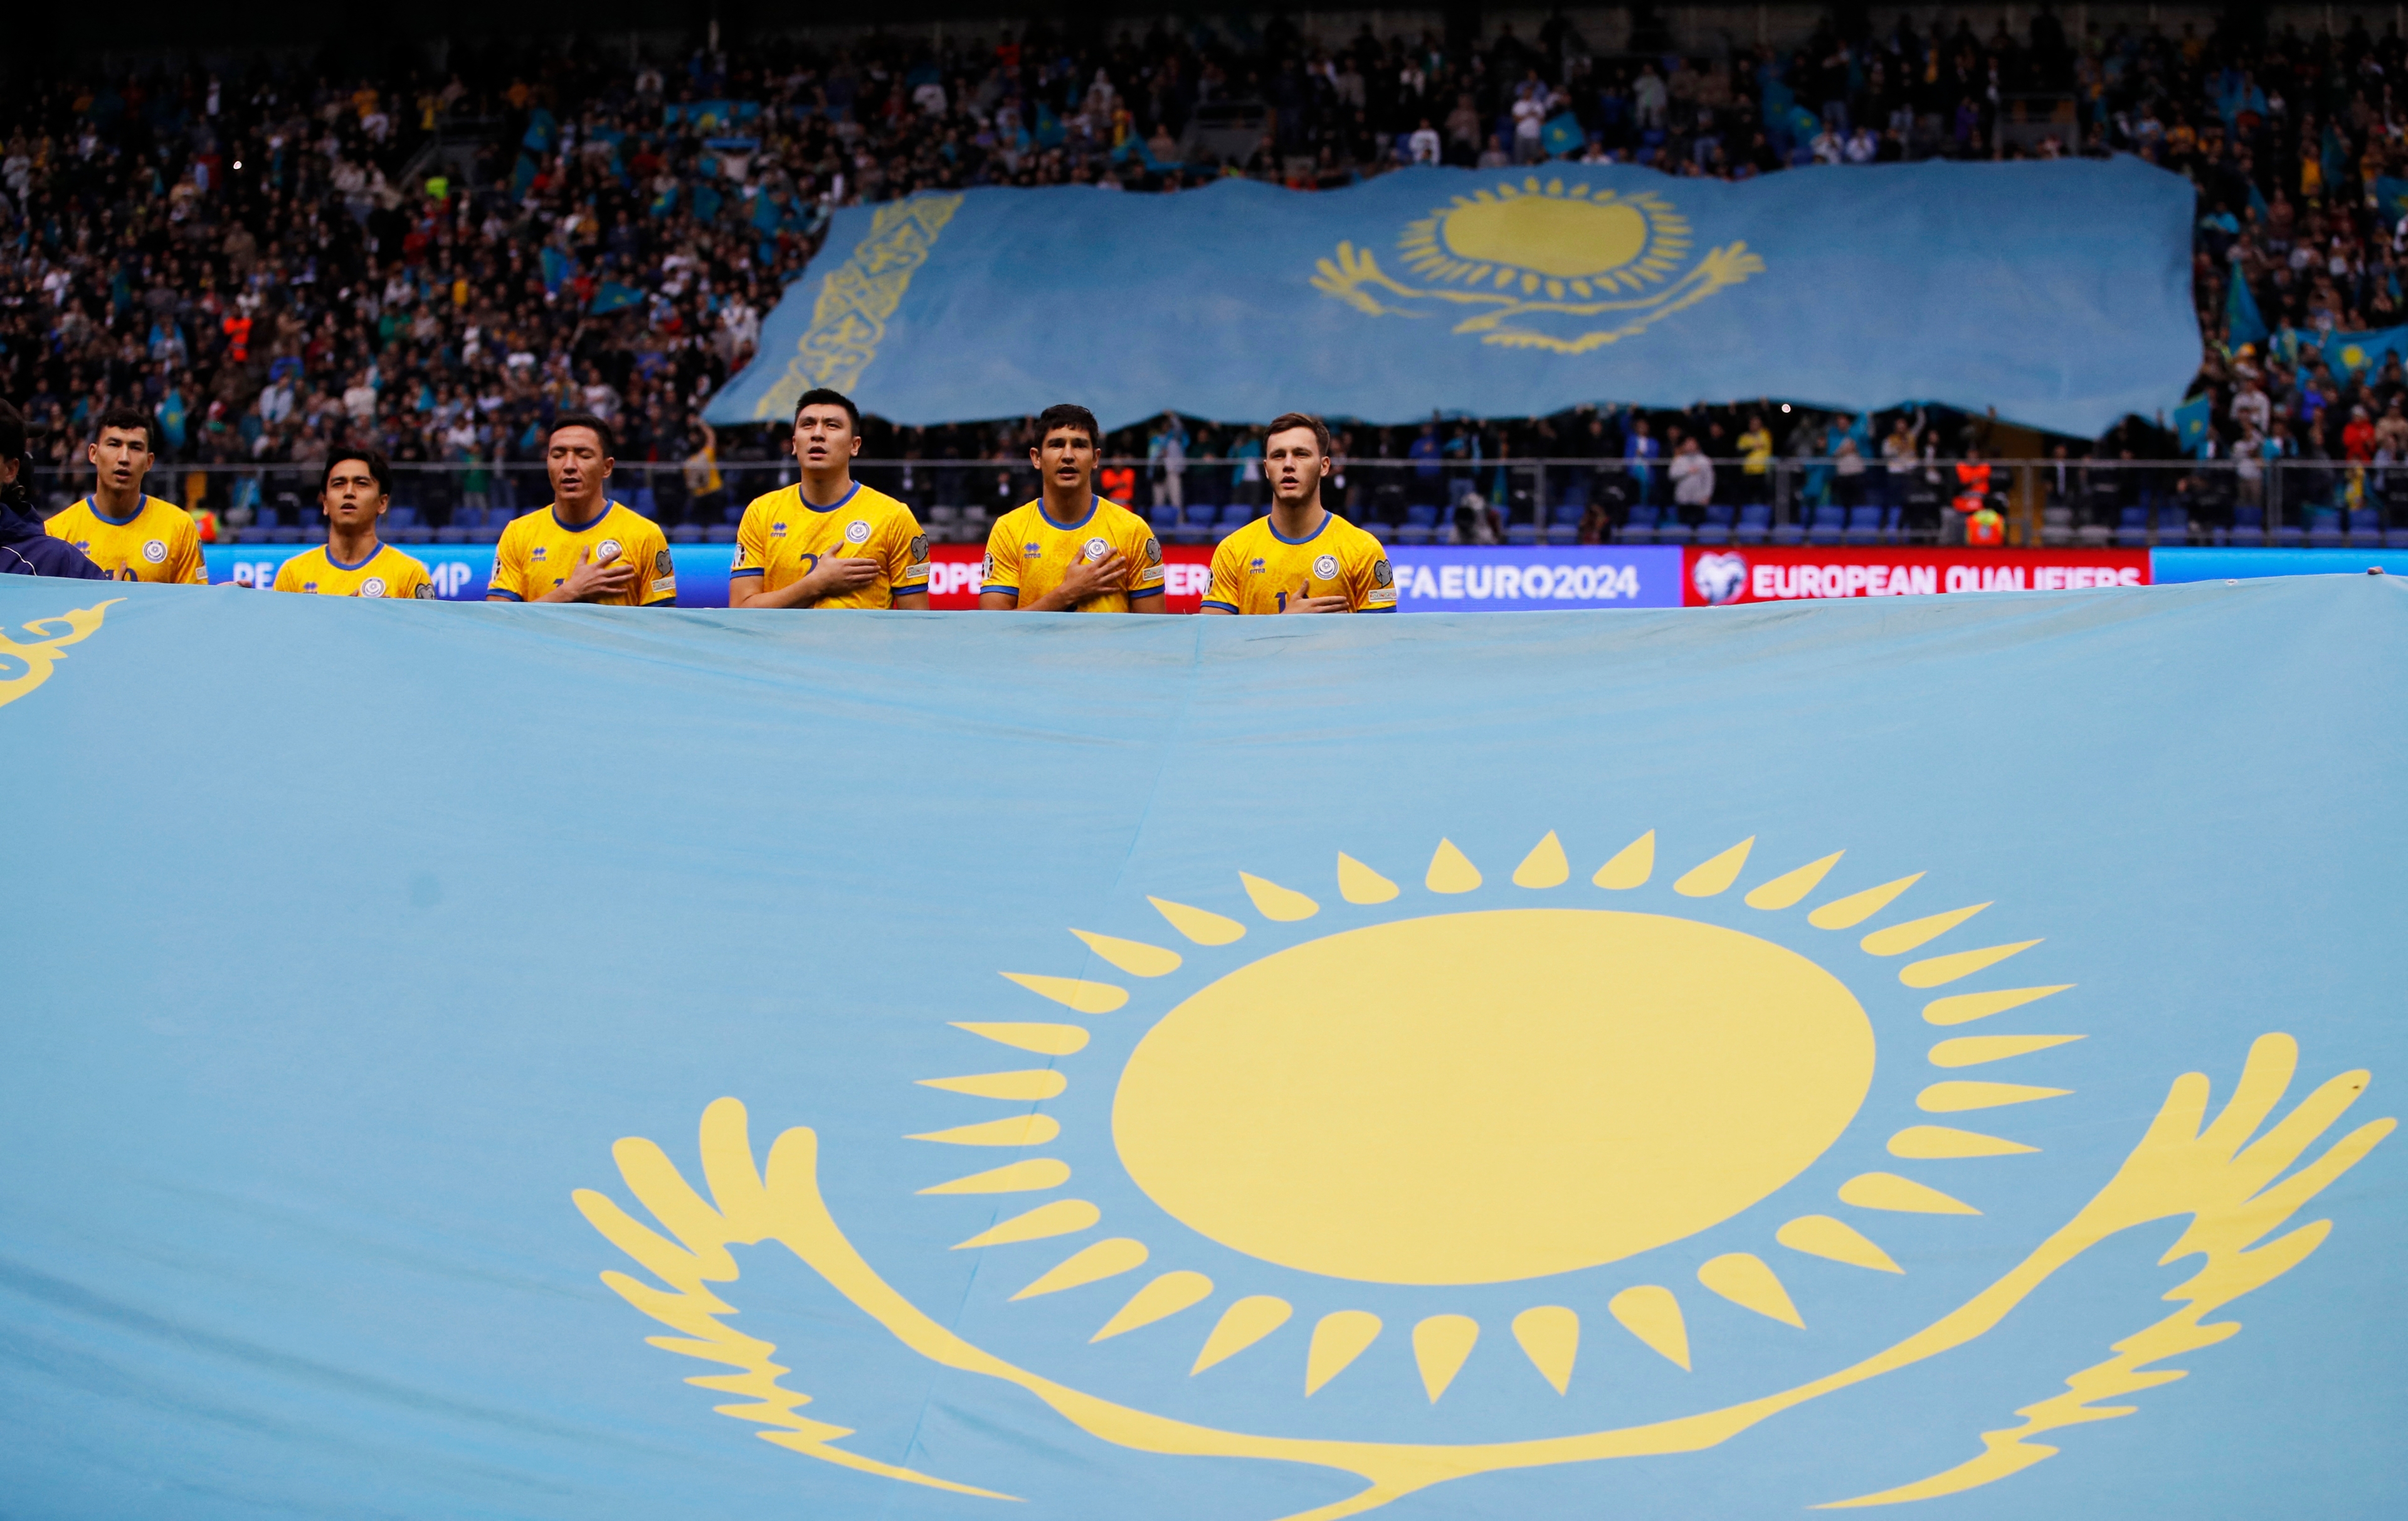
(954, 575)
(1715, 577)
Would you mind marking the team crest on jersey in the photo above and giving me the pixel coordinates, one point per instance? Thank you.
(607, 550)
(155, 551)
(1325, 567)
(373, 587)
(1098, 548)
(857, 532)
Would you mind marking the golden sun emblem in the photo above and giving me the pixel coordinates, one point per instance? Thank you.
(1545, 265)
(1410, 1101)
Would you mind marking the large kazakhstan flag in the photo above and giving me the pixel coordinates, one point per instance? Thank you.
(557, 1062)
(2057, 293)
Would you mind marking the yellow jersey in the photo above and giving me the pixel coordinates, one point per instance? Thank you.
(538, 552)
(783, 537)
(158, 542)
(1027, 553)
(386, 572)
(1255, 570)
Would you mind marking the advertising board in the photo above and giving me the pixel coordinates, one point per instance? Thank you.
(1722, 577)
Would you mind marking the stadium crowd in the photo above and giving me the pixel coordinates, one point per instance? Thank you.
(273, 259)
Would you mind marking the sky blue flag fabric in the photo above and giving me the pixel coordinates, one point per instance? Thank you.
(1504, 293)
(2357, 353)
(570, 1062)
(2392, 196)
(1562, 133)
(2242, 322)
(2191, 420)
(613, 296)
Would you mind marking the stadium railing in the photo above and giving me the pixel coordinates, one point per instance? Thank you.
(1788, 500)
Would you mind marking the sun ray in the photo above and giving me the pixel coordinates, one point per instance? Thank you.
(1939, 1142)
(1359, 884)
(1088, 1265)
(1158, 1300)
(1073, 992)
(1708, 878)
(1955, 1097)
(1272, 901)
(1938, 969)
(1135, 957)
(1836, 1240)
(1241, 1326)
(1440, 1345)
(1450, 871)
(1965, 1008)
(1036, 1082)
(1201, 926)
(1649, 1312)
(1744, 1280)
(1338, 1340)
(1546, 866)
(1550, 1338)
(1901, 1196)
(1019, 1130)
(1045, 1040)
(1785, 891)
(1973, 1050)
(1631, 865)
(1854, 910)
(1899, 938)
(1037, 1172)
(1059, 1218)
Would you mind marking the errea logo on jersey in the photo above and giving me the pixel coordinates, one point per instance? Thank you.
(1255, 569)
(776, 530)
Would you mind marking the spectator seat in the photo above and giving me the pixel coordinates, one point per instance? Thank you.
(1236, 515)
(1755, 524)
(2056, 525)
(2365, 526)
(1828, 524)
(2132, 528)
(1563, 525)
(1639, 527)
(452, 534)
(647, 502)
(1864, 525)
(1420, 524)
(1789, 533)
(2324, 529)
(2174, 526)
(686, 533)
(2395, 539)
(720, 533)
(1717, 527)
(2248, 529)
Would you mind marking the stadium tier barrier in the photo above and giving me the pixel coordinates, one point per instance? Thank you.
(1782, 502)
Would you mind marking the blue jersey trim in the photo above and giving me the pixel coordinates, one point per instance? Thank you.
(1145, 591)
(1223, 606)
(509, 596)
(1375, 609)
(1013, 590)
(832, 506)
(1325, 516)
(1093, 503)
(669, 600)
(607, 505)
(361, 566)
(118, 522)
(756, 571)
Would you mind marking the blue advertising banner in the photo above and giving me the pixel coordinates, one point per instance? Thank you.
(1476, 579)
(1505, 293)
(1667, 1065)
(459, 570)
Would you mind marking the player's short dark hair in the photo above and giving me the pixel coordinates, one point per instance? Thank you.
(370, 457)
(127, 420)
(583, 419)
(1064, 414)
(1287, 421)
(13, 431)
(822, 397)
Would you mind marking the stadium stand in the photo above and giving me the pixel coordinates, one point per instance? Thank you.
(273, 256)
